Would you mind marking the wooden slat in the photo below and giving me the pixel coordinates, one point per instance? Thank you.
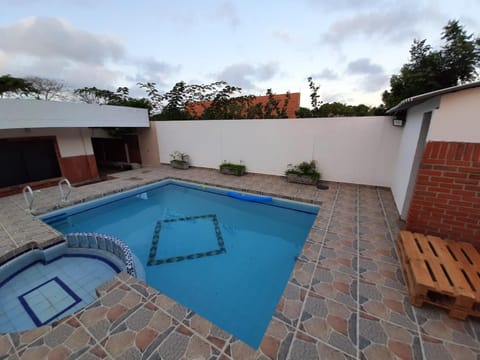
(455, 268)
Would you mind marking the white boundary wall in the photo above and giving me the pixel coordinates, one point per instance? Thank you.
(360, 150)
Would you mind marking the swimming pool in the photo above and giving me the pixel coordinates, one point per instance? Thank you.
(226, 259)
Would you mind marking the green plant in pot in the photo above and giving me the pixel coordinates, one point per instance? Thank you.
(303, 173)
(179, 160)
(232, 168)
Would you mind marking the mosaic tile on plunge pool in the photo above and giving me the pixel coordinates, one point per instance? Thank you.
(330, 322)
(379, 339)
(335, 285)
(387, 303)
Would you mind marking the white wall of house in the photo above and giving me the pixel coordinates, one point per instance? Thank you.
(71, 141)
(26, 113)
(357, 149)
(408, 148)
(457, 119)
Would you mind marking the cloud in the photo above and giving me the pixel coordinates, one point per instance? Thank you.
(245, 75)
(372, 76)
(326, 74)
(49, 37)
(150, 69)
(363, 66)
(228, 11)
(283, 36)
(394, 26)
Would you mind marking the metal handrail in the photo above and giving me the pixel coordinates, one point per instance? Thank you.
(27, 191)
(64, 195)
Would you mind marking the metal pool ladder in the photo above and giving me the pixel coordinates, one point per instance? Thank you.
(64, 194)
(28, 196)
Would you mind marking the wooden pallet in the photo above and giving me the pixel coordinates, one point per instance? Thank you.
(441, 272)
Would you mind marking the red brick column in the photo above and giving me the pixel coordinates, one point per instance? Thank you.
(446, 200)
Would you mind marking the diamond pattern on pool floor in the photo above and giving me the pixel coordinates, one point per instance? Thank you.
(186, 238)
(48, 300)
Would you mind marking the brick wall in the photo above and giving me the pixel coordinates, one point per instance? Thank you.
(446, 200)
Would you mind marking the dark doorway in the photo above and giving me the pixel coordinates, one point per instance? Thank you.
(116, 153)
(27, 160)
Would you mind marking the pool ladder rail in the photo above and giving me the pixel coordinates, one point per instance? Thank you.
(62, 185)
(28, 196)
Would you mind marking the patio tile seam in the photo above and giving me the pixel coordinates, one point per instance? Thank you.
(9, 235)
(297, 326)
(390, 234)
(325, 343)
(182, 323)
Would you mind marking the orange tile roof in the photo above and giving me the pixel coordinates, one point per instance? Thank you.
(197, 108)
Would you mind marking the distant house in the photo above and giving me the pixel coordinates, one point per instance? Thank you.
(196, 109)
(436, 184)
(43, 141)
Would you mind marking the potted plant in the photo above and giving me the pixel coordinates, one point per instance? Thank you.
(303, 173)
(232, 169)
(180, 160)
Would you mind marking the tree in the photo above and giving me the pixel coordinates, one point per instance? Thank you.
(48, 89)
(92, 95)
(13, 86)
(428, 70)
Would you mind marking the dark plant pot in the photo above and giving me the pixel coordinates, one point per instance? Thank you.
(236, 172)
(301, 179)
(179, 164)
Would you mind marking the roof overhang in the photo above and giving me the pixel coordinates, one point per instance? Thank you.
(27, 113)
(418, 99)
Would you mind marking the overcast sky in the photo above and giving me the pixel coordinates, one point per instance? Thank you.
(350, 47)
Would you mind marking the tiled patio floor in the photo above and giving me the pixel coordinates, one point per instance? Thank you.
(345, 299)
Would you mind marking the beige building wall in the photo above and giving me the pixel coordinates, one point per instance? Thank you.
(149, 149)
(71, 141)
(457, 118)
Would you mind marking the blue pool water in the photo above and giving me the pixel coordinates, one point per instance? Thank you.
(227, 259)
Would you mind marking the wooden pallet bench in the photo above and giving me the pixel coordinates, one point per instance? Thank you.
(441, 272)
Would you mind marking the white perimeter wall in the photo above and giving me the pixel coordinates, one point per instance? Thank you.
(457, 119)
(71, 141)
(358, 150)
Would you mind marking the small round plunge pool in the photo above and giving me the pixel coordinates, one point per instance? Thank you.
(44, 285)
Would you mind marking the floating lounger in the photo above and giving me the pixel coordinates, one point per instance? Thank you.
(247, 197)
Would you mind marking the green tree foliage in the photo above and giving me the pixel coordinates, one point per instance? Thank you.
(428, 70)
(14, 87)
(217, 100)
(92, 95)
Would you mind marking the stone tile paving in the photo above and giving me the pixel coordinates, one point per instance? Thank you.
(346, 298)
